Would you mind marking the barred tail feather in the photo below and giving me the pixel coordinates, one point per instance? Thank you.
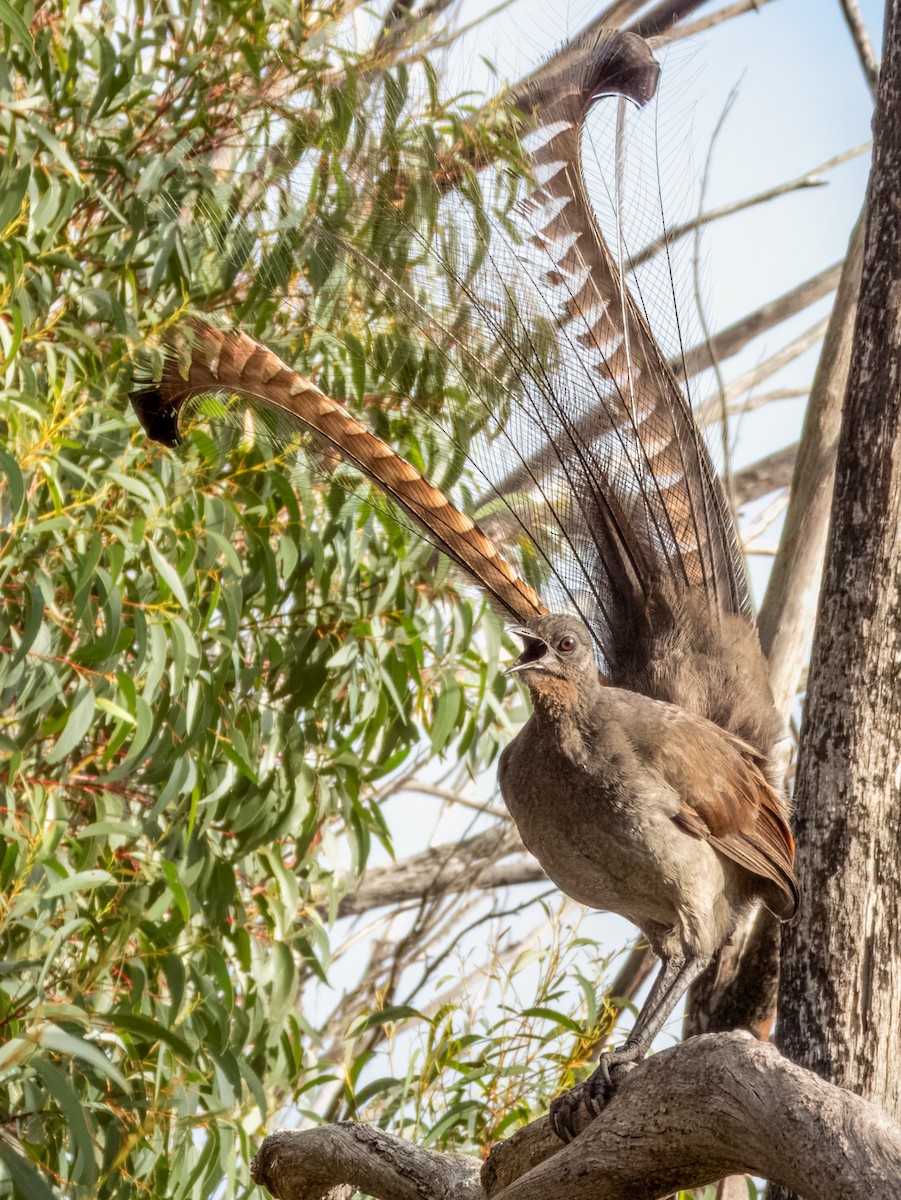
(203, 359)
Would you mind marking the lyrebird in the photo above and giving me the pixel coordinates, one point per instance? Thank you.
(646, 781)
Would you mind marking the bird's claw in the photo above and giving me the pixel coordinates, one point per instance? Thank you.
(594, 1092)
(563, 1109)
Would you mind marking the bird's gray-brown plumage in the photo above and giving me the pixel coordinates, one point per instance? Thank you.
(651, 810)
(654, 789)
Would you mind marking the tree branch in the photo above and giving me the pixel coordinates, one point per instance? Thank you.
(693, 28)
(664, 16)
(757, 1113)
(864, 47)
(332, 1162)
(738, 335)
(722, 345)
(454, 867)
(766, 475)
(841, 986)
(789, 606)
(810, 179)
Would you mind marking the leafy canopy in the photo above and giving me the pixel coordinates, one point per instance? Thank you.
(208, 674)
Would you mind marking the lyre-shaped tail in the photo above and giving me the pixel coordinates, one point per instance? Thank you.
(594, 455)
(202, 360)
(627, 441)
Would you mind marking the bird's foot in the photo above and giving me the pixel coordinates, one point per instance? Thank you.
(594, 1092)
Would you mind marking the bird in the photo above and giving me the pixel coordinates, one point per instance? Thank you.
(645, 808)
(648, 780)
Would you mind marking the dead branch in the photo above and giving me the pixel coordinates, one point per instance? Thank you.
(723, 345)
(693, 28)
(862, 44)
(810, 179)
(766, 475)
(738, 335)
(756, 1113)
(453, 867)
(743, 384)
(664, 16)
(789, 607)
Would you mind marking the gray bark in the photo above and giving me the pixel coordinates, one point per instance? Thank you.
(766, 475)
(841, 989)
(756, 1113)
(789, 606)
(474, 862)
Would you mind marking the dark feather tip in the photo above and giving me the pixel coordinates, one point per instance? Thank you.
(160, 420)
(624, 65)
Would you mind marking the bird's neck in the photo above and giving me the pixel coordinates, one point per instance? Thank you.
(566, 711)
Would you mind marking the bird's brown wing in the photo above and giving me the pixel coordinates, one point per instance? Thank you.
(727, 801)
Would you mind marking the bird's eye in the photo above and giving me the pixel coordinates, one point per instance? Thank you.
(567, 643)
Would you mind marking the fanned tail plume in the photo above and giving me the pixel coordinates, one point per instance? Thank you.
(625, 439)
(591, 452)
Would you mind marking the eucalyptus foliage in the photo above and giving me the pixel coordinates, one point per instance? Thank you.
(207, 673)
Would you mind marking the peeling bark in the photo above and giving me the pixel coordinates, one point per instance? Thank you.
(841, 990)
(756, 1113)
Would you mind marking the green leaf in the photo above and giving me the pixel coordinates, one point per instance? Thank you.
(54, 1038)
(170, 577)
(23, 1175)
(17, 27)
(81, 881)
(77, 725)
(151, 1031)
(15, 484)
(85, 1169)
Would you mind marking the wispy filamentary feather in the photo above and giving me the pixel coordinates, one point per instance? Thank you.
(594, 457)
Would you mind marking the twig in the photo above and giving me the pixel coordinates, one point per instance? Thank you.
(693, 28)
(809, 179)
(740, 386)
(862, 43)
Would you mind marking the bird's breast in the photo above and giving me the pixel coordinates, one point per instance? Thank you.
(590, 824)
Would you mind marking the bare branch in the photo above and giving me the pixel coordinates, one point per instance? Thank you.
(738, 335)
(741, 385)
(693, 28)
(809, 179)
(332, 1162)
(756, 1113)
(764, 476)
(788, 612)
(789, 606)
(862, 43)
(849, 765)
(451, 797)
(448, 868)
(664, 16)
(724, 344)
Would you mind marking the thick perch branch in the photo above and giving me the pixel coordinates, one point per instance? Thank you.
(718, 1105)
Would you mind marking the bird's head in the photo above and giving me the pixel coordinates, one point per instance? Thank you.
(557, 649)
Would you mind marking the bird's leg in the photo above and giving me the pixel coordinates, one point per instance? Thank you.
(675, 978)
(677, 973)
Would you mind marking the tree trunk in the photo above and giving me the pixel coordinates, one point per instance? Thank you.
(840, 994)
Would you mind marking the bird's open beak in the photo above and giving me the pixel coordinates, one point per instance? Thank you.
(533, 655)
